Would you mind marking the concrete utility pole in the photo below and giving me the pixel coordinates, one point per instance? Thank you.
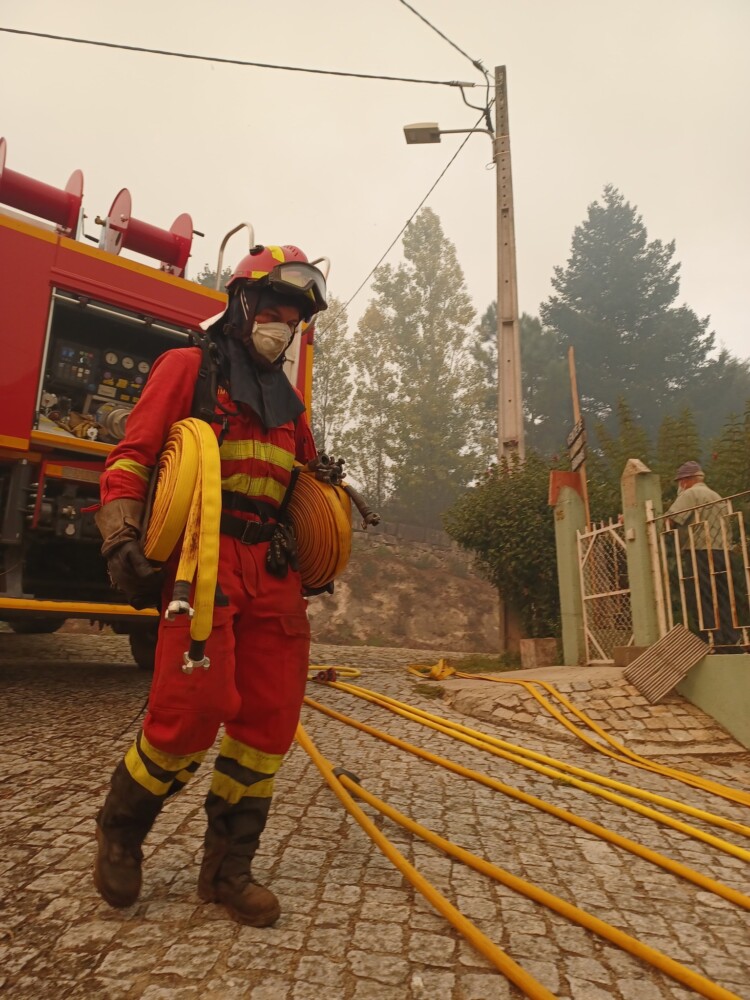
(510, 438)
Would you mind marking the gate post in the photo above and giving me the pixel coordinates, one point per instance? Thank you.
(570, 518)
(639, 484)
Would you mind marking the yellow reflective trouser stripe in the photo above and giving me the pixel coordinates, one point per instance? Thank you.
(234, 451)
(169, 761)
(254, 760)
(127, 465)
(178, 766)
(138, 772)
(232, 791)
(259, 487)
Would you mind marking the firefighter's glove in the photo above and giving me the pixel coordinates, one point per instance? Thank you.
(282, 551)
(129, 570)
(132, 573)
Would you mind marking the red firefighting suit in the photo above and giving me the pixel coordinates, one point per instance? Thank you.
(258, 652)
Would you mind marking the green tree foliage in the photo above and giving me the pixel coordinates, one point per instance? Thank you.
(484, 354)
(723, 389)
(506, 522)
(416, 337)
(615, 303)
(332, 385)
(728, 470)
(207, 277)
(678, 441)
(547, 403)
(369, 443)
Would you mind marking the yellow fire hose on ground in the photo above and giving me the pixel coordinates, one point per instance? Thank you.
(187, 502)
(503, 962)
(618, 751)
(561, 771)
(661, 860)
(341, 781)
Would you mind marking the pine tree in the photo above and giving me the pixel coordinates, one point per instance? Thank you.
(678, 441)
(332, 386)
(728, 472)
(606, 463)
(615, 303)
(422, 318)
(369, 442)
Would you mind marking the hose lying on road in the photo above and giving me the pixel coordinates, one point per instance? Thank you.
(561, 771)
(615, 749)
(680, 973)
(503, 962)
(669, 864)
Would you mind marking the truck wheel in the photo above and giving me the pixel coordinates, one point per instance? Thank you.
(36, 626)
(143, 647)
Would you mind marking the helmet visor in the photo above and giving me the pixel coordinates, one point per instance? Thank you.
(297, 278)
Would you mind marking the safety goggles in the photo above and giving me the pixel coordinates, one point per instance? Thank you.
(298, 278)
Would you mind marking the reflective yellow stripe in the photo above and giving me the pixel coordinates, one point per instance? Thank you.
(232, 791)
(233, 451)
(260, 487)
(255, 760)
(184, 776)
(169, 761)
(137, 770)
(127, 465)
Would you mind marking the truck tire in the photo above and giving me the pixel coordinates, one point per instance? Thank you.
(143, 646)
(36, 626)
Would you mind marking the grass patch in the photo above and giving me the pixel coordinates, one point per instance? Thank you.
(479, 663)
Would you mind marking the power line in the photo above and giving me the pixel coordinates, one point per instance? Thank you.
(232, 62)
(476, 63)
(401, 231)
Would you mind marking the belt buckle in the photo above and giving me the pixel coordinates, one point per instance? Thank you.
(250, 533)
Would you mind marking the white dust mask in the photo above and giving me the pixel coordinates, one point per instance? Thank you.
(270, 339)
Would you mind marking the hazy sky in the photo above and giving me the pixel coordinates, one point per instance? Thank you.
(649, 95)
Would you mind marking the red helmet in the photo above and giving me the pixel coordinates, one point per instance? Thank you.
(284, 270)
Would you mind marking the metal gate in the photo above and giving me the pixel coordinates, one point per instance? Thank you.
(605, 590)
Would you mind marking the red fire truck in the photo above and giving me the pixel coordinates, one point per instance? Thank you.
(80, 327)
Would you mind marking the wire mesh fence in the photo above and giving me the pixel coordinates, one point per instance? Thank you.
(605, 589)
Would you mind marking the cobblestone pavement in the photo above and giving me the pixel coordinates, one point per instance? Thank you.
(352, 928)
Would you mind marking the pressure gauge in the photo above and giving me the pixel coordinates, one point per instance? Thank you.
(111, 358)
(143, 367)
(128, 363)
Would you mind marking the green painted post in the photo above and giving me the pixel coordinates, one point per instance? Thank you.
(570, 517)
(639, 484)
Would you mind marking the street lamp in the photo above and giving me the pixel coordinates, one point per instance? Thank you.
(510, 440)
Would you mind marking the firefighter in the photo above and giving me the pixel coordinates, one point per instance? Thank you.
(259, 644)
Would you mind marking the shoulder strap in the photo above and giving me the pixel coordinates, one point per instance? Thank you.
(205, 393)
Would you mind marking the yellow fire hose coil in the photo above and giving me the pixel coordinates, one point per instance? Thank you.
(187, 499)
(322, 519)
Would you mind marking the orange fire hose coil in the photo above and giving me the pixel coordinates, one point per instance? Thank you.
(322, 519)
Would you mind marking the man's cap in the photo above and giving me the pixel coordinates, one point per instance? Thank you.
(687, 470)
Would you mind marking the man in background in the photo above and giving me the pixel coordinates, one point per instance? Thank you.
(698, 512)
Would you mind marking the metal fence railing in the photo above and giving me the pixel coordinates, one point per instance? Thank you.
(702, 571)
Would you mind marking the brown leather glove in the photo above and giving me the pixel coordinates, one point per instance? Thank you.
(129, 570)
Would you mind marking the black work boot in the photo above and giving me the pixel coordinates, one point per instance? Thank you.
(122, 824)
(230, 844)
